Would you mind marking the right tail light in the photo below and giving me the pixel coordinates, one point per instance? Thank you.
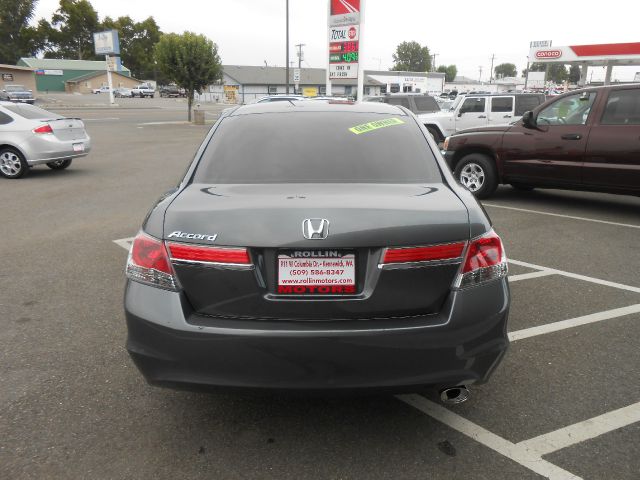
(484, 261)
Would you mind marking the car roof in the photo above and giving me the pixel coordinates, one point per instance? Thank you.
(318, 106)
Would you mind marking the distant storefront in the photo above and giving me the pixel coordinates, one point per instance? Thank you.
(13, 75)
(244, 84)
(52, 74)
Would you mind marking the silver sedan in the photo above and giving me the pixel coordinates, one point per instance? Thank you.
(31, 136)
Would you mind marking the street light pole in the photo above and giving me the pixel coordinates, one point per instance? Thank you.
(287, 62)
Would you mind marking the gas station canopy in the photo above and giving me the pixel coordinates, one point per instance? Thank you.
(604, 55)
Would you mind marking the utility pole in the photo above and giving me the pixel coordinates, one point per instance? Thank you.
(300, 54)
(433, 62)
(480, 77)
(491, 72)
(287, 62)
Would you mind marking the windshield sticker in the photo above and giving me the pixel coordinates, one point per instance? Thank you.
(368, 127)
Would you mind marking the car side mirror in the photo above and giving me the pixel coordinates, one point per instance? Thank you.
(460, 113)
(528, 120)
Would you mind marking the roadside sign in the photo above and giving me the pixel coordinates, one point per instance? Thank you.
(344, 12)
(296, 75)
(106, 43)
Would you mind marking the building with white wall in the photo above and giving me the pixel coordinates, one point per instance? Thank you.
(244, 83)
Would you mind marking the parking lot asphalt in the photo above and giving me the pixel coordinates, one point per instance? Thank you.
(565, 403)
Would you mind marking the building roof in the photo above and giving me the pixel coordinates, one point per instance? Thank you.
(15, 67)
(62, 64)
(91, 75)
(389, 73)
(260, 75)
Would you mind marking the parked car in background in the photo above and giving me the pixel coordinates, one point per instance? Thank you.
(478, 110)
(122, 92)
(19, 94)
(4, 97)
(587, 139)
(143, 90)
(416, 102)
(317, 246)
(102, 89)
(170, 91)
(32, 136)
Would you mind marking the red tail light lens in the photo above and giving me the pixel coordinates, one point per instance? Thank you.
(423, 254)
(485, 260)
(201, 254)
(46, 128)
(148, 263)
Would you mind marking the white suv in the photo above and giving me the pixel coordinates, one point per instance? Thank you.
(479, 110)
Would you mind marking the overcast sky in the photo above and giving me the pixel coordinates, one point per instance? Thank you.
(461, 32)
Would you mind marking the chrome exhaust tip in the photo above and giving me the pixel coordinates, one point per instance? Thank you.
(454, 395)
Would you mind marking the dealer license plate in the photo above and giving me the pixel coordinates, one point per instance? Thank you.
(323, 272)
(78, 147)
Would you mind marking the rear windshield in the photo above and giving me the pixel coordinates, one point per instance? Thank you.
(317, 147)
(30, 112)
(14, 88)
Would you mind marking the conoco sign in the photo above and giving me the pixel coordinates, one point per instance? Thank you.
(548, 53)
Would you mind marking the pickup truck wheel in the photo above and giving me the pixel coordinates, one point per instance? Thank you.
(435, 133)
(522, 186)
(59, 164)
(12, 163)
(477, 173)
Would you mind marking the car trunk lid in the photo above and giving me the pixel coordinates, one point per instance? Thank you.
(363, 219)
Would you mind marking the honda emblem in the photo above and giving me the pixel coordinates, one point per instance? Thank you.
(315, 228)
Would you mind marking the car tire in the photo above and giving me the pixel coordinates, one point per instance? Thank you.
(12, 163)
(477, 173)
(522, 186)
(435, 133)
(59, 164)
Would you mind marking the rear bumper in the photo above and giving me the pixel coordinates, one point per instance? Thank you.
(171, 349)
(47, 148)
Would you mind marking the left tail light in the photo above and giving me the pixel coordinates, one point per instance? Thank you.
(484, 261)
(149, 263)
(46, 128)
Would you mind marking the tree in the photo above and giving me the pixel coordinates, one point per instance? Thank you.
(190, 60)
(574, 74)
(137, 39)
(505, 70)
(17, 38)
(411, 57)
(556, 72)
(70, 34)
(450, 72)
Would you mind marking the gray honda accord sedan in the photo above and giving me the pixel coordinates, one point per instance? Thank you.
(317, 246)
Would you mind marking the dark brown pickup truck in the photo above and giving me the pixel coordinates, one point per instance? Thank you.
(587, 139)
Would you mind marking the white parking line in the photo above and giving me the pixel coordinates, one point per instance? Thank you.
(521, 454)
(527, 276)
(124, 242)
(586, 430)
(577, 276)
(99, 119)
(562, 216)
(573, 322)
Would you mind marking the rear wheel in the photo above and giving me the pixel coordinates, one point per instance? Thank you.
(59, 164)
(12, 163)
(477, 173)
